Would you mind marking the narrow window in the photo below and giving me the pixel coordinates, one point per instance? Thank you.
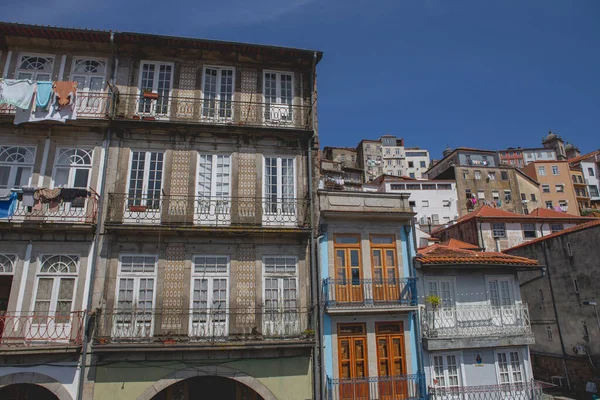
(576, 286)
(549, 332)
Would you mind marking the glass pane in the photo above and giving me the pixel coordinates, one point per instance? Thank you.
(81, 178)
(346, 239)
(45, 288)
(390, 258)
(4, 176)
(377, 258)
(96, 84)
(354, 259)
(382, 240)
(61, 177)
(66, 288)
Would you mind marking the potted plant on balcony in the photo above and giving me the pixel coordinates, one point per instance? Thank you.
(147, 93)
(433, 303)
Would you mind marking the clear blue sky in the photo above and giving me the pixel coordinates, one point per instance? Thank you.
(473, 73)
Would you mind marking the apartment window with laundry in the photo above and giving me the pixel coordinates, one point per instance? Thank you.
(499, 230)
(549, 204)
(555, 170)
(504, 175)
(546, 188)
(533, 197)
(507, 196)
(72, 168)
(477, 174)
(560, 188)
(529, 231)
(35, 67)
(16, 166)
(492, 175)
(591, 171)
(541, 170)
(55, 288)
(89, 75)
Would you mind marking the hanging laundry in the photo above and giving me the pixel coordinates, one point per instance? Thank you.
(65, 92)
(79, 202)
(18, 93)
(46, 195)
(8, 206)
(70, 194)
(43, 94)
(28, 199)
(499, 202)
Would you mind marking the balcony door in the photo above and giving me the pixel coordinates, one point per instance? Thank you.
(72, 169)
(144, 187)
(386, 287)
(352, 361)
(446, 314)
(155, 85)
(134, 312)
(391, 360)
(279, 96)
(90, 75)
(210, 301)
(279, 203)
(281, 311)
(213, 189)
(501, 298)
(348, 269)
(16, 166)
(217, 89)
(446, 376)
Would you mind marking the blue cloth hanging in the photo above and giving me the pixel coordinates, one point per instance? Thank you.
(44, 92)
(8, 207)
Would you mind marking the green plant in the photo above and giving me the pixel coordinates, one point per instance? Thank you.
(309, 332)
(433, 301)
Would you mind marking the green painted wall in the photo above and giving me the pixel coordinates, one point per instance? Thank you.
(288, 378)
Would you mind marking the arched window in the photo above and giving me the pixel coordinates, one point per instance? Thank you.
(89, 74)
(56, 287)
(37, 68)
(16, 166)
(7, 263)
(60, 264)
(72, 168)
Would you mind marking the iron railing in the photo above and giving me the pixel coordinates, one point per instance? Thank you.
(340, 293)
(203, 211)
(89, 105)
(475, 321)
(398, 387)
(514, 391)
(85, 212)
(190, 109)
(35, 328)
(202, 325)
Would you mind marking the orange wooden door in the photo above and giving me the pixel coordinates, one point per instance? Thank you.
(391, 361)
(384, 265)
(353, 365)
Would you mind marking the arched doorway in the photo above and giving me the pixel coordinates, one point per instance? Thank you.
(207, 387)
(26, 391)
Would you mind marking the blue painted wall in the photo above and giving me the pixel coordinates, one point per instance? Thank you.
(327, 339)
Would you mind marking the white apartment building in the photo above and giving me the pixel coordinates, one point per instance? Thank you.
(417, 162)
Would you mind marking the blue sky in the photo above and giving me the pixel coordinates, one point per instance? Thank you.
(475, 73)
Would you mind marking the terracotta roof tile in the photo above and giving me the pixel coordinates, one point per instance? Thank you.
(576, 228)
(459, 244)
(442, 254)
(584, 157)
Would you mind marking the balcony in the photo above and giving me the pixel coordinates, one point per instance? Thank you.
(60, 214)
(89, 105)
(30, 329)
(398, 387)
(365, 295)
(465, 326)
(199, 212)
(202, 326)
(367, 204)
(189, 109)
(514, 391)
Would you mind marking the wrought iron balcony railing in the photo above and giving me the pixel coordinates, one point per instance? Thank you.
(190, 109)
(513, 391)
(202, 325)
(370, 293)
(37, 329)
(483, 320)
(85, 212)
(210, 212)
(398, 387)
(89, 105)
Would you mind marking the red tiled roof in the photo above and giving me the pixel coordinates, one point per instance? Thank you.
(583, 157)
(442, 254)
(548, 213)
(576, 228)
(459, 244)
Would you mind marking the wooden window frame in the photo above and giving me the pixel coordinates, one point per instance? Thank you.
(391, 291)
(347, 291)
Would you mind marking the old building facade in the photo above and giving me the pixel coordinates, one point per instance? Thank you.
(557, 189)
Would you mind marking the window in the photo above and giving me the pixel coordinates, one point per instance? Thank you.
(525, 210)
(529, 231)
(214, 185)
(397, 152)
(512, 162)
(549, 333)
(435, 219)
(549, 204)
(352, 355)
(574, 178)
(546, 188)
(594, 191)
(586, 332)
(156, 78)
(500, 291)
(465, 174)
(504, 175)
(389, 163)
(480, 194)
(477, 174)
(495, 195)
(591, 171)
(563, 205)
(413, 186)
(367, 146)
(217, 89)
(425, 203)
(429, 186)
(388, 151)
(422, 164)
(576, 286)
(55, 288)
(579, 178)
(379, 149)
(411, 175)
(442, 288)
(541, 170)
(560, 188)
(7, 263)
(412, 203)
(348, 267)
(446, 371)
(390, 353)
(541, 295)
(444, 186)
(507, 196)
(16, 166)
(145, 179)
(397, 186)
(210, 300)
(492, 176)
(280, 185)
(279, 95)
(411, 164)
(35, 68)
(499, 230)
(533, 197)
(72, 168)
(446, 203)
(523, 196)
(89, 74)
(555, 170)
(510, 367)
(384, 268)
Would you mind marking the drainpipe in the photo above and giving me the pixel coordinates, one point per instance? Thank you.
(99, 221)
(316, 304)
(415, 314)
(542, 275)
(560, 336)
(320, 331)
(481, 242)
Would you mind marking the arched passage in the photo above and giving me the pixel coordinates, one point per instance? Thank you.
(225, 373)
(33, 385)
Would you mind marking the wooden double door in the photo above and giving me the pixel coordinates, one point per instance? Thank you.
(353, 362)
